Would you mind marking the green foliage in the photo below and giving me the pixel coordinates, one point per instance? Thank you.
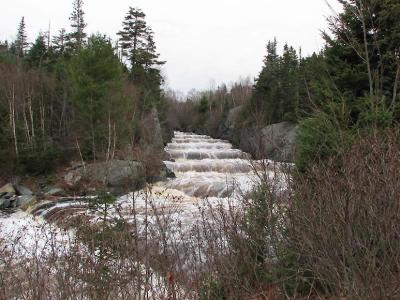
(318, 138)
(373, 113)
(73, 91)
(96, 77)
(6, 54)
(210, 288)
(365, 62)
(77, 38)
(59, 44)
(38, 53)
(296, 279)
(360, 82)
(277, 90)
(40, 158)
(262, 222)
(203, 105)
(21, 42)
(103, 201)
(138, 47)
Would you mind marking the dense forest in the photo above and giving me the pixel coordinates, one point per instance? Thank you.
(322, 223)
(73, 95)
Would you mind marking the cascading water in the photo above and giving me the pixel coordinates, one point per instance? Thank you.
(205, 168)
(209, 173)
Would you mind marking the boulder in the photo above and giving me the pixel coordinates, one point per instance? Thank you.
(73, 177)
(278, 141)
(8, 188)
(163, 174)
(152, 140)
(112, 173)
(54, 192)
(7, 196)
(275, 141)
(12, 196)
(5, 203)
(22, 190)
(168, 172)
(233, 117)
(24, 200)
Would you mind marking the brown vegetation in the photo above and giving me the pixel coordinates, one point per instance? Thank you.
(344, 220)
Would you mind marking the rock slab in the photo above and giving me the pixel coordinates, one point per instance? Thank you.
(114, 173)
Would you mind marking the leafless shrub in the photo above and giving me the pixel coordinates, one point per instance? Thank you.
(344, 220)
(222, 251)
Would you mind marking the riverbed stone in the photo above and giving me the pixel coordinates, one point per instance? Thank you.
(5, 203)
(54, 192)
(25, 200)
(8, 188)
(23, 190)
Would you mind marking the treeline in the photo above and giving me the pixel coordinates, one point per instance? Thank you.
(74, 94)
(206, 111)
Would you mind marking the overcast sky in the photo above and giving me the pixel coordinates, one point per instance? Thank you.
(203, 41)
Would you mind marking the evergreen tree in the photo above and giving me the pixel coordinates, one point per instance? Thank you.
(266, 81)
(138, 47)
(132, 34)
(267, 86)
(21, 42)
(277, 93)
(59, 43)
(358, 79)
(4, 50)
(38, 52)
(96, 79)
(363, 55)
(76, 39)
(288, 97)
(152, 61)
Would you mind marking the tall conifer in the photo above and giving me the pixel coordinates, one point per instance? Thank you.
(77, 37)
(138, 47)
(21, 42)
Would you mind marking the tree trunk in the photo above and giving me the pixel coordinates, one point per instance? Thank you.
(12, 119)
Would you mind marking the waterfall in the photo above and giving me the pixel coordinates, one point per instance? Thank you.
(205, 168)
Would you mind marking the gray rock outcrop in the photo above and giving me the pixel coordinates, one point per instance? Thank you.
(275, 141)
(152, 140)
(114, 173)
(12, 196)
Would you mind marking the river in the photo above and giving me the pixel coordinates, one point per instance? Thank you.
(209, 173)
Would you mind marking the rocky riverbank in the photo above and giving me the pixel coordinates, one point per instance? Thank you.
(130, 171)
(275, 141)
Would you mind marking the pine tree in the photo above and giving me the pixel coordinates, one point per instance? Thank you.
(132, 35)
(138, 47)
(362, 55)
(21, 42)
(96, 80)
(59, 43)
(38, 52)
(4, 48)
(288, 92)
(267, 85)
(77, 37)
(152, 61)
